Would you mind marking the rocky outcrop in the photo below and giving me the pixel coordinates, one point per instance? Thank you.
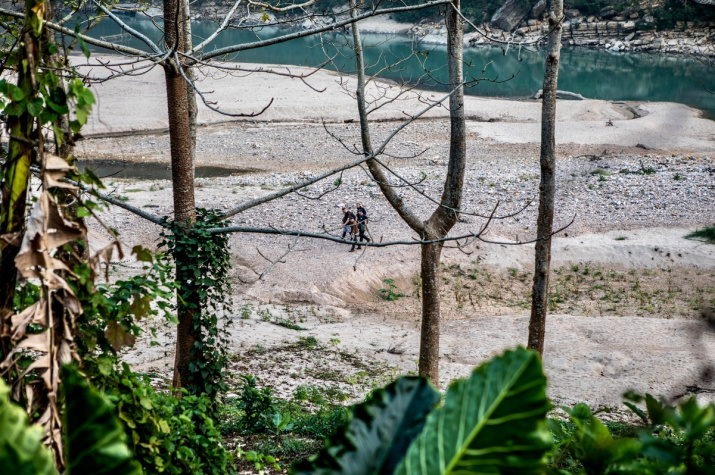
(615, 31)
(510, 14)
(613, 36)
(538, 10)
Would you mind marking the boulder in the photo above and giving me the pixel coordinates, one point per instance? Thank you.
(510, 14)
(572, 13)
(607, 12)
(705, 2)
(539, 9)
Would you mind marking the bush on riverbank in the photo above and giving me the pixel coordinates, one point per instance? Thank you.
(673, 12)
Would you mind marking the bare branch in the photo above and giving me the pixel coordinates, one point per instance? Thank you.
(290, 189)
(210, 105)
(282, 9)
(87, 39)
(301, 34)
(213, 35)
(109, 199)
(291, 248)
(278, 194)
(72, 12)
(495, 40)
(143, 38)
(261, 69)
(327, 237)
(407, 183)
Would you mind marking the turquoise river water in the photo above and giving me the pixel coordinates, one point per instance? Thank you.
(595, 74)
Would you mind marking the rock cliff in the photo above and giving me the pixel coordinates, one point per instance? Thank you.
(511, 13)
(610, 29)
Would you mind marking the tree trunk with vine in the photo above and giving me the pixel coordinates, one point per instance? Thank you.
(182, 176)
(21, 154)
(547, 187)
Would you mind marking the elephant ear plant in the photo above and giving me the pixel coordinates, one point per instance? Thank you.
(492, 422)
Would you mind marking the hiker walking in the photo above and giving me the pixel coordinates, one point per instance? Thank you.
(362, 224)
(350, 227)
(348, 217)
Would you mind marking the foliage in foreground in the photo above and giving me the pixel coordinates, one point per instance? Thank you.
(169, 434)
(673, 440)
(95, 442)
(495, 422)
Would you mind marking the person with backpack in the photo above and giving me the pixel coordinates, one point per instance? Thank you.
(350, 226)
(362, 224)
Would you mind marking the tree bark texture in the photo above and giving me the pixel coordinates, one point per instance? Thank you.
(182, 177)
(187, 44)
(547, 187)
(429, 336)
(17, 168)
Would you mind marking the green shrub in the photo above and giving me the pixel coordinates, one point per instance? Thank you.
(257, 406)
(170, 435)
(673, 11)
(390, 293)
(706, 234)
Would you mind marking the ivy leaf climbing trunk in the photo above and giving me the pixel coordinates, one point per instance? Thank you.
(20, 124)
(547, 187)
(182, 176)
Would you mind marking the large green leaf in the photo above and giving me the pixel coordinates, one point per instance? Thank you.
(379, 432)
(95, 442)
(493, 422)
(21, 449)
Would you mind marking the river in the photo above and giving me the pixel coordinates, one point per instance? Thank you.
(595, 74)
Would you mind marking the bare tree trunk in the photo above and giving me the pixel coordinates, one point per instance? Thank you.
(17, 167)
(444, 217)
(547, 188)
(429, 336)
(187, 44)
(182, 176)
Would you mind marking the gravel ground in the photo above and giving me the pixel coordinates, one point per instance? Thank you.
(603, 187)
(650, 195)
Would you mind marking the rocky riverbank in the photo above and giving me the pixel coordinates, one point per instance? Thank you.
(614, 34)
(626, 31)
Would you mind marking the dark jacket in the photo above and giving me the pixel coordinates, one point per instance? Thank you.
(348, 218)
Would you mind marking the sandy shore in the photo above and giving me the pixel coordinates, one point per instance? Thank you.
(139, 103)
(635, 188)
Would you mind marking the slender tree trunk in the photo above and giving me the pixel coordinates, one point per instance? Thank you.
(444, 218)
(187, 44)
(182, 176)
(547, 188)
(429, 336)
(20, 157)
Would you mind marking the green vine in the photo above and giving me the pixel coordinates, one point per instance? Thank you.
(202, 265)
